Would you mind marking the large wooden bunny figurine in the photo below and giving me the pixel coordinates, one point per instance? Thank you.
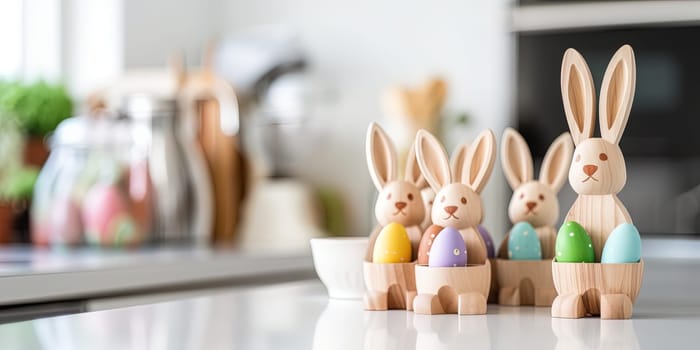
(392, 285)
(451, 286)
(535, 203)
(597, 174)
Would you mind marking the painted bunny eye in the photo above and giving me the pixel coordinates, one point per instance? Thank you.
(603, 156)
(463, 200)
(522, 195)
(541, 197)
(442, 200)
(410, 196)
(578, 158)
(430, 203)
(388, 196)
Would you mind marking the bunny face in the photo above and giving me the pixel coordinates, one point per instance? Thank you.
(534, 201)
(458, 206)
(598, 167)
(400, 202)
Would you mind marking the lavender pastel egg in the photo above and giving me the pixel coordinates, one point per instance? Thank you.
(486, 236)
(448, 249)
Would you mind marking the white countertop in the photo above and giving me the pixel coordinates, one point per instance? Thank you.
(298, 315)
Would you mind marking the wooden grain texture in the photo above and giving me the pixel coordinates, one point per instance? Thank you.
(221, 153)
(608, 290)
(525, 282)
(597, 174)
(599, 215)
(454, 290)
(457, 201)
(535, 202)
(493, 290)
(389, 286)
(212, 105)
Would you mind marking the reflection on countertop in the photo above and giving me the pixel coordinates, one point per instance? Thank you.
(298, 315)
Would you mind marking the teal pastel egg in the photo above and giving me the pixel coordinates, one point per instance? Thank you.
(448, 249)
(523, 243)
(574, 244)
(624, 245)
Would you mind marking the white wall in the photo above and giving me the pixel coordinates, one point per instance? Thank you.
(361, 47)
(92, 44)
(156, 29)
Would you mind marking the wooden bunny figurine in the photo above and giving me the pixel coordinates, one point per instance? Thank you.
(597, 174)
(534, 202)
(399, 201)
(457, 204)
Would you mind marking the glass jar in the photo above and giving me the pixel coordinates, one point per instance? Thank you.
(95, 188)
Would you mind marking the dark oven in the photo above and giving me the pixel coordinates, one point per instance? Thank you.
(661, 143)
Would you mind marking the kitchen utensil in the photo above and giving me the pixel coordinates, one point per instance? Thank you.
(411, 109)
(179, 174)
(210, 109)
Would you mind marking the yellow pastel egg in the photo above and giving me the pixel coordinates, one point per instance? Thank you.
(392, 245)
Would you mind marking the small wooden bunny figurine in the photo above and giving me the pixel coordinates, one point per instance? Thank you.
(534, 202)
(457, 204)
(399, 201)
(597, 174)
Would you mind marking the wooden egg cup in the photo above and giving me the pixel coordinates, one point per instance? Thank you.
(389, 286)
(452, 290)
(493, 290)
(525, 282)
(608, 290)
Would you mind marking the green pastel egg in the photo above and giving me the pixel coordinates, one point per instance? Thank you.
(574, 244)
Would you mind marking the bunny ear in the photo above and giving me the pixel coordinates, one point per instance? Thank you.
(578, 94)
(516, 158)
(555, 165)
(480, 159)
(617, 93)
(381, 157)
(432, 160)
(413, 173)
(459, 156)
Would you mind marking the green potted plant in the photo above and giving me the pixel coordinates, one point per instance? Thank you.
(36, 108)
(16, 181)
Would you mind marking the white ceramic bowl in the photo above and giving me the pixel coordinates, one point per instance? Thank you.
(338, 263)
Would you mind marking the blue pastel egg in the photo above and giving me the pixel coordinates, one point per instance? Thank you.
(624, 245)
(523, 243)
(448, 249)
(486, 236)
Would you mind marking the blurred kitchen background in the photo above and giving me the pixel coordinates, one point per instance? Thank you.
(241, 124)
(308, 78)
